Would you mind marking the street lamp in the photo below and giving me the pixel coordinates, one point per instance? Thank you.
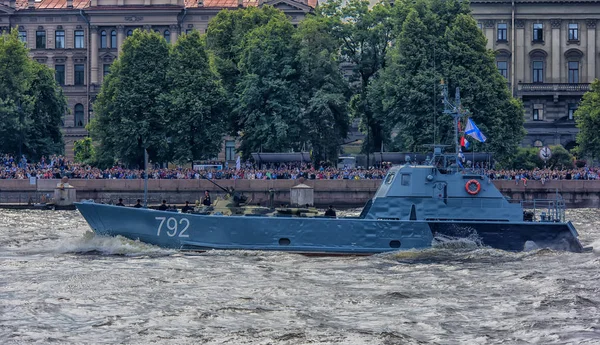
(20, 110)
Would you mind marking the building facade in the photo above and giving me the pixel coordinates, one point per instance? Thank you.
(79, 39)
(546, 49)
(548, 52)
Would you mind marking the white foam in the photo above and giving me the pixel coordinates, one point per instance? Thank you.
(118, 245)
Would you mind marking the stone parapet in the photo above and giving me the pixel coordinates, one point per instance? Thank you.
(349, 193)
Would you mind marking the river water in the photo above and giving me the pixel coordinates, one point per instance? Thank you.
(59, 284)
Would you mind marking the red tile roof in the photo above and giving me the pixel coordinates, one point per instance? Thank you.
(81, 4)
(52, 4)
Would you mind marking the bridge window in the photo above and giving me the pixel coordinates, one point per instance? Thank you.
(389, 178)
(405, 180)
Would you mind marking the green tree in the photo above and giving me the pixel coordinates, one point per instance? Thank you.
(32, 105)
(365, 33)
(587, 118)
(130, 106)
(84, 151)
(197, 102)
(268, 105)
(410, 88)
(225, 37)
(441, 40)
(324, 90)
(470, 66)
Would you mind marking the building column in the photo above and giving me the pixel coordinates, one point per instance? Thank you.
(591, 50)
(556, 64)
(489, 33)
(519, 67)
(120, 38)
(94, 55)
(174, 28)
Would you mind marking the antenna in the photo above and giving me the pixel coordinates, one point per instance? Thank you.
(455, 110)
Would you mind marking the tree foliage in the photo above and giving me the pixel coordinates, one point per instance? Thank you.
(130, 106)
(285, 87)
(196, 100)
(587, 118)
(440, 40)
(528, 158)
(84, 151)
(32, 105)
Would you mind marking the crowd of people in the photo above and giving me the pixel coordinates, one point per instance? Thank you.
(55, 167)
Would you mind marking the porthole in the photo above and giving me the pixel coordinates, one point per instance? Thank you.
(284, 242)
(395, 244)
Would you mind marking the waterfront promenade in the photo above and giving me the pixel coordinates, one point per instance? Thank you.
(341, 193)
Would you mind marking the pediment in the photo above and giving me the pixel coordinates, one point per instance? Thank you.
(108, 58)
(288, 5)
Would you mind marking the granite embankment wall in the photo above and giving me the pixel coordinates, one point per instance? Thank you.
(342, 193)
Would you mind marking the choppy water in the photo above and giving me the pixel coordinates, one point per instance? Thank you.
(61, 285)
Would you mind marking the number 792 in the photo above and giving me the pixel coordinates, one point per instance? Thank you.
(173, 226)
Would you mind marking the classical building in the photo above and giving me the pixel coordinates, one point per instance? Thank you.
(546, 49)
(80, 39)
(548, 52)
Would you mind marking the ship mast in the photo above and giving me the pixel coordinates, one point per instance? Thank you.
(455, 110)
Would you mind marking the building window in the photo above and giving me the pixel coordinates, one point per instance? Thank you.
(23, 36)
(79, 74)
(105, 69)
(480, 26)
(59, 74)
(59, 39)
(538, 71)
(168, 36)
(573, 32)
(188, 31)
(573, 72)
(79, 39)
(538, 112)
(538, 143)
(229, 150)
(502, 31)
(78, 115)
(113, 39)
(103, 39)
(129, 33)
(503, 68)
(572, 110)
(538, 32)
(40, 39)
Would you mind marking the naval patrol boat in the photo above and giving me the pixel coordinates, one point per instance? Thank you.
(415, 206)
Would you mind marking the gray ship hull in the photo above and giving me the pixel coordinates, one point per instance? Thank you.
(337, 236)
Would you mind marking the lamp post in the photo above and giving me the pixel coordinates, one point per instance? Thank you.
(20, 110)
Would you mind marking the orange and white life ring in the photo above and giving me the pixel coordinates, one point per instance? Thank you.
(470, 189)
